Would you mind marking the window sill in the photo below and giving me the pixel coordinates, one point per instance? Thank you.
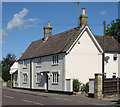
(24, 67)
(37, 82)
(54, 83)
(54, 64)
(38, 66)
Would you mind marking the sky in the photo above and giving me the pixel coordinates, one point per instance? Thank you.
(23, 22)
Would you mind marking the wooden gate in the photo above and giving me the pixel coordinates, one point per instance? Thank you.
(111, 86)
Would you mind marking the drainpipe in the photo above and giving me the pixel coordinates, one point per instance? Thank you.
(30, 73)
(103, 55)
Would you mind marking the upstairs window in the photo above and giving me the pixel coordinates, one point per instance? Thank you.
(114, 75)
(55, 77)
(115, 57)
(24, 64)
(24, 78)
(55, 59)
(38, 63)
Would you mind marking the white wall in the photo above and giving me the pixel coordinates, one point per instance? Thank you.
(111, 66)
(83, 60)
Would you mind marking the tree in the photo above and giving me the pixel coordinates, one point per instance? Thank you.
(7, 62)
(5, 73)
(113, 29)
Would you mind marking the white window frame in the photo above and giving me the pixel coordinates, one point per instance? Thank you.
(38, 64)
(55, 59)
(25, 79)
(38, 80)
(55, 77)
(115, 55)
(24, 64)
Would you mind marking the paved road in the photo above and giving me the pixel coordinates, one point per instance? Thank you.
(14, 98)
(18, 98)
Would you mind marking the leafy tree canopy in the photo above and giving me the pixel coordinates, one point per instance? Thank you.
(9, 60)
(113, 29)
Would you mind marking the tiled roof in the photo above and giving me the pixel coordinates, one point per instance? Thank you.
(58, 43)
(108, 43)
(61, 42)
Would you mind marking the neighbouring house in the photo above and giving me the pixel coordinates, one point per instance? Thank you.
(14, 73)
(52, 62)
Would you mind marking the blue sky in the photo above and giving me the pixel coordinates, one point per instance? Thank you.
(23, 22)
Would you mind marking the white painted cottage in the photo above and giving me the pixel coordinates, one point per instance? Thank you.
(52, 62)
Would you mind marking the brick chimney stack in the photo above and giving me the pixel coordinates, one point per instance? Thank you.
(83, 18)
(47, 31)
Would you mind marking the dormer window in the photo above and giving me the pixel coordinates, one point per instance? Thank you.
(24, 64)
(38, 63)
(55, 59)
(115, 57)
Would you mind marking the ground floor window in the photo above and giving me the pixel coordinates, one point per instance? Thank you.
(38, 78)
(55, 77)
(15, 77)
(24, 78)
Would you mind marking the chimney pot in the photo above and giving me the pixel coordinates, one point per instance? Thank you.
(21, 54)
(48, 23)
(83, 10)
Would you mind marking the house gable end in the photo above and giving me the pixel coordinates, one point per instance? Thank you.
(87, 29)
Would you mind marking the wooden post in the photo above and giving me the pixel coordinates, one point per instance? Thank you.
(118, 95)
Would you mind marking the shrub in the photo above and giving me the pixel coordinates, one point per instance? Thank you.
(76, 85)
(9, 83)
(85, 88)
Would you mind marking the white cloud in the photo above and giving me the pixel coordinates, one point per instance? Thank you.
(2, 33)
(18, 20)
(103, 12)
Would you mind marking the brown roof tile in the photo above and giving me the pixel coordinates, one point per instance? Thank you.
(61, 42)
(108, 43)
(58, 43)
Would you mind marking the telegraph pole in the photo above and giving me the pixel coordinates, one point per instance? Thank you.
(103, 55)
(78, 13)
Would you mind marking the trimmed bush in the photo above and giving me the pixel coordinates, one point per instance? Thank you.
(85, 88)
(9, 83)
(76, 85)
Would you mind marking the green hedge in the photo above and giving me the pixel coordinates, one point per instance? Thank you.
(76, 85)
(85, 88)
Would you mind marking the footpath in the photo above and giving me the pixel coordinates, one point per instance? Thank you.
(79, 97)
